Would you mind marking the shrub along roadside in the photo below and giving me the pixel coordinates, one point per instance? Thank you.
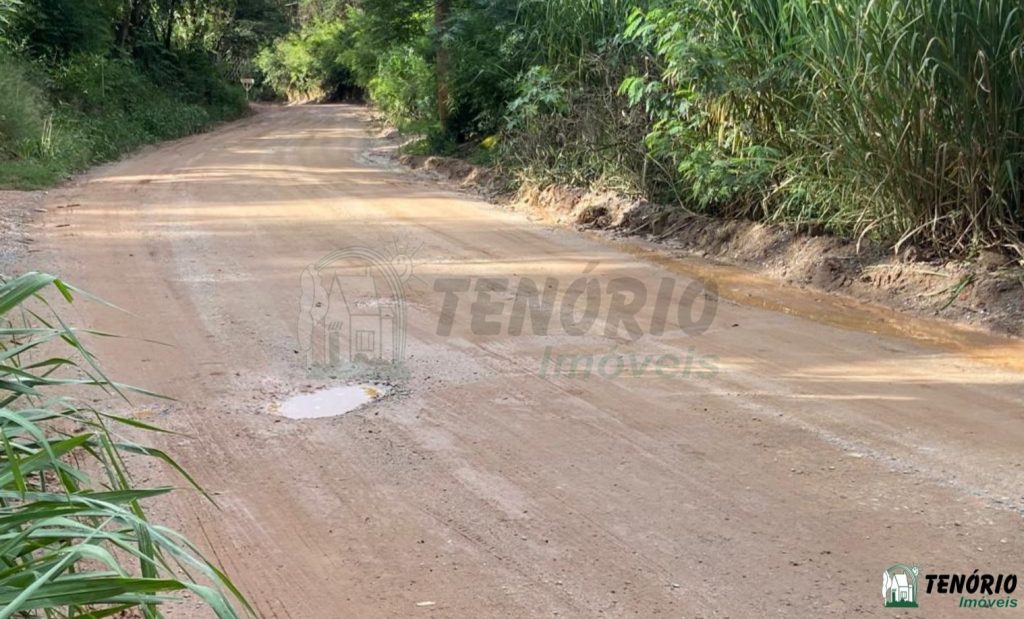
(75, 538)
(897, 119)
(90, 108)
(83, 81)
(892, 120)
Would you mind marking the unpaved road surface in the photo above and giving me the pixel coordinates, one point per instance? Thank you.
(780, 482)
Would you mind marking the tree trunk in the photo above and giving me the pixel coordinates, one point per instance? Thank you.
(441, 9)
(125, 25)
(170, 24)
(136, 14)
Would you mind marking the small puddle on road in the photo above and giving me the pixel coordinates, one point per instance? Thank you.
(329, 402)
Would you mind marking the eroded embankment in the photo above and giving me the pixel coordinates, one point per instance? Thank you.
(987, 294)
(973, 307)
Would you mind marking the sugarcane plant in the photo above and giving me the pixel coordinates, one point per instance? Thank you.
(75, 540)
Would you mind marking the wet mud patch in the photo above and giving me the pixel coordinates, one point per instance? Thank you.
(987, 292)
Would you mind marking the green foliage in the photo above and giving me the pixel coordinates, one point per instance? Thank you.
(7, 10)
(77, 541)
(926, 113)
(253, 25)
(895, 118)
(22, 109)
(307, 65)
(84, 81)
(103, 107)
(722, 98)
(70, 109)
(321, 10)
(374, 28)
(61, 28)
(574, 35)
(539, 95)
(403, 88)
(565, 122)
(338, 57)
(485, 57)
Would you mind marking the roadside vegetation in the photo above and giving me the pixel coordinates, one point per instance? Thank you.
(83, 81)
(892, 120)
(74, 537)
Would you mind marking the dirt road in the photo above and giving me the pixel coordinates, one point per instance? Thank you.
(776, 474)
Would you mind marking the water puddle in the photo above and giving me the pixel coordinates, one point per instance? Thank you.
(747, 288)
(328, 402)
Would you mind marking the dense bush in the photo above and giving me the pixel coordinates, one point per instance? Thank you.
(22, 109)
(7, 10)
(336, 56)
(403, 88)
(565, 122)
(895, 118)
(307, 65)
(100, 107)
(111, 106)
(83, 81)
(55, 29)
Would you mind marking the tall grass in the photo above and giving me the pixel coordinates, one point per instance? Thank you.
(403, 88)
(896, 119)
(893, 118)
(91, 108)
(22, 109)
(573, 34)
(7, 8)
(565, 122)
(926, 105)
(74, 538)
